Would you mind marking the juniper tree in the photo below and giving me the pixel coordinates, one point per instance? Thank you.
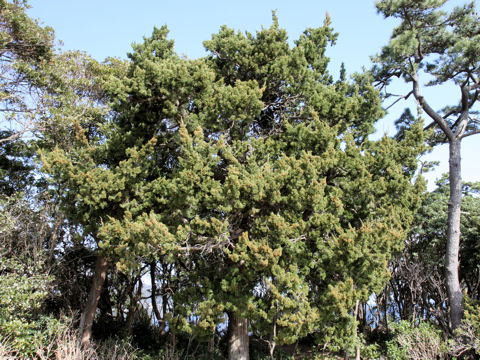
(249, 170)
(442, 47)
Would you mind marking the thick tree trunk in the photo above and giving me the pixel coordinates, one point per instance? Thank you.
(453, 235)
(86, 321)
(238, 346)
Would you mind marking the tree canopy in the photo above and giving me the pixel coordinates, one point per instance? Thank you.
(226, 206)
(251, 172)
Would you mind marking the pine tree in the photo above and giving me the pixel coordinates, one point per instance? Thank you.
(443, 47)
(417, 286)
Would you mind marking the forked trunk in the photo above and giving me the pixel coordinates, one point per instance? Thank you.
(238, 346)
(453, 236)
(88, 315)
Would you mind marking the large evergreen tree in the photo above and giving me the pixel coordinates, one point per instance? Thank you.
(251, 173)
(442, 47)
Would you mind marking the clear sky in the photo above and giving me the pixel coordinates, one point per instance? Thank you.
(105, 28)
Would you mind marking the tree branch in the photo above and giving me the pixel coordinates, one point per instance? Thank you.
(473, 132)
(428, 109)
(208, 246)
(472, 87)
(400, 97)
(15, 136)
(463, 119)
(429, 126)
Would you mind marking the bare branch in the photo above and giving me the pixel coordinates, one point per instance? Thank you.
(472, 87)
(463, 119)
(16, 135)
(400, 97)
(207, 245)
(300, 238)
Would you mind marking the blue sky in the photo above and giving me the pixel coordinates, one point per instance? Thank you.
(105, 28)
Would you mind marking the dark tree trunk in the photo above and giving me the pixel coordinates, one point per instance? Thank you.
(153, 298)
(453, 235)
(105, 303)
(211, 345)
(238, 345)
(88, 315)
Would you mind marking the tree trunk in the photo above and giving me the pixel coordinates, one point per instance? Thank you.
(453, 235)
(211, 345)
(153, 297)
(238, 346)
(59, 218)
(272, 344)
(163, 326)
(133, 308)
(357, 346)
(88, 314)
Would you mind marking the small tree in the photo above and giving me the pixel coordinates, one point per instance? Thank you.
(443, 47)
(77, 125)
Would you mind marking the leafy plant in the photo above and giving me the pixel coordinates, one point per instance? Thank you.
(420, 341)
(467, 336)
(23, 289)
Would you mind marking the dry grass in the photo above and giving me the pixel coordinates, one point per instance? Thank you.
(66, 346)
(6, 351)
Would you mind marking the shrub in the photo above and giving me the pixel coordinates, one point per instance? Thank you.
(467, 336)
(23, 288)
(415, 342)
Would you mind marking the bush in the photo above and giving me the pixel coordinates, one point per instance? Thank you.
(467, 336)
(23, 289)
(415, 342)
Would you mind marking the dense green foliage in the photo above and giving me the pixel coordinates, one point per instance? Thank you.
(23, 289)
(260, 180)
(241, 185)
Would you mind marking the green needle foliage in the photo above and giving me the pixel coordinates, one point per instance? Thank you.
(249, 170)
